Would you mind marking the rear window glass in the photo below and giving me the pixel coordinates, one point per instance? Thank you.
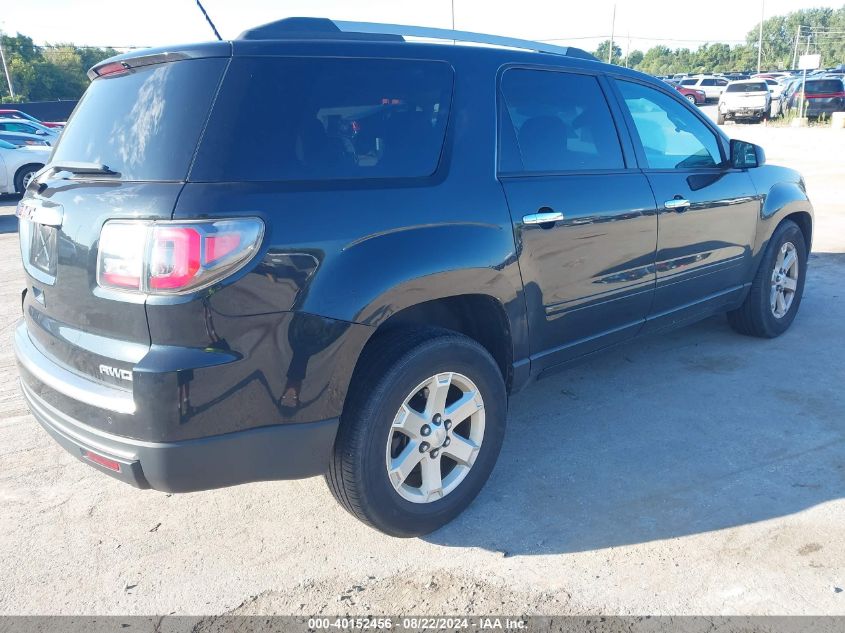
(822, 86)
(144, 124)
(755, 87)
(315, 119)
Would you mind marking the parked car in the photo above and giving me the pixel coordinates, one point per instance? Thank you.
(822, 96)
(698, 97)
(28, 127)
(351, 292)
(18, 165)
(713, 87)
(747, 99)
(19, 139)
(19, 114)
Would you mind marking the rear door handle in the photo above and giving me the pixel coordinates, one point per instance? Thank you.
(677, 204)
(542, 218)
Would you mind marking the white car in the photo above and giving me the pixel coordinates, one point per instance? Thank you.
(713, 87)
(19, 164)
(746, 99)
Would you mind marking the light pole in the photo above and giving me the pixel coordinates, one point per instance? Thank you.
(6, 68)
(612, 33)
(760, 38)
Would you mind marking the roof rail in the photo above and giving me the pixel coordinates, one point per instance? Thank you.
(322, 28)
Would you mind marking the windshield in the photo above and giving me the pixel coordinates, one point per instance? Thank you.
(755, 87)
(145, 123)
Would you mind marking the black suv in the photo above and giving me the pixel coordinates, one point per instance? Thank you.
(321, 249)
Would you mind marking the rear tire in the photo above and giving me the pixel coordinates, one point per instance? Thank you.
(364, 474)
(762, 314)
(691, 99)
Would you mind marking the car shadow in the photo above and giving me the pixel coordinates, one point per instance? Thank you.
(8, 220)
(698, 430)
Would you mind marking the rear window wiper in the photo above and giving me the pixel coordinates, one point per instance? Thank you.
(83, 167)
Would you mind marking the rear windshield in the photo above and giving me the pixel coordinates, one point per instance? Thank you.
(823, 86)
(144, 124)
(755, 87)
(315, 119)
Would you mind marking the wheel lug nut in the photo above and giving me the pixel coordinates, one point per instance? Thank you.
(434, 453)
(436, 419)
(424, 447)
(425, 431)
(447, 441)
(448, 424)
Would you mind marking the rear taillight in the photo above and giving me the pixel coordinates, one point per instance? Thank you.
(173, 257)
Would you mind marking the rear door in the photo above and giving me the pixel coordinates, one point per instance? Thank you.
(707, 210)
(584, 221)
(143, 124)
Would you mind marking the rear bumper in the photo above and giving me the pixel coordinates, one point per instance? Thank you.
(743, 113)
(280, 451)
(289, 451)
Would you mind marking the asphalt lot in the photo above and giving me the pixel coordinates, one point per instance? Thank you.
(698, 473)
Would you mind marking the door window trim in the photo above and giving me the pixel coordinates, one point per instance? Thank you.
(628, 150)
(721, 140)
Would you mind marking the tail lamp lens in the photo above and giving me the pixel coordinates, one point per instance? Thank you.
(173, 257)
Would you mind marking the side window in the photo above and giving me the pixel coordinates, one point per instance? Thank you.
(689, 82)
(561, 122)
(708, 82)
(672, 136)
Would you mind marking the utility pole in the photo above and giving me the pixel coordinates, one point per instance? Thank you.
(760, 38)
(6, 69)
(795, 52)
(628, 49)
(612, 33)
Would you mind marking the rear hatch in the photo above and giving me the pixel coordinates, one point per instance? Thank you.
(746, 96)
(826, 95)
(141, 119)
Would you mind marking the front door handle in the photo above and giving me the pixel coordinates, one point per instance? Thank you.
(547, 217)
(677, 204)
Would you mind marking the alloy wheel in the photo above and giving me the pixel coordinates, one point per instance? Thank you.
(784, 280)
(435, 438)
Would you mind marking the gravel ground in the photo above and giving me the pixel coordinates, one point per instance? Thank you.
(697, 473)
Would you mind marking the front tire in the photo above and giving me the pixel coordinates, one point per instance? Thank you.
(777, 288)
(720, 117)
(420, 433)
(24, 176)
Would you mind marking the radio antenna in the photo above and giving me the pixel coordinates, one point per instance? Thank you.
(208, 19)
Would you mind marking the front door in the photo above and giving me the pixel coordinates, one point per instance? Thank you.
(584, 222)
(707, 210)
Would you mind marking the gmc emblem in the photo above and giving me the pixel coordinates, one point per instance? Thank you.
(115, 372)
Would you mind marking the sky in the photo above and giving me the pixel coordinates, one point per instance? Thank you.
(122, 23)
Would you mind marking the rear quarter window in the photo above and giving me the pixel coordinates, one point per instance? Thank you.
(294, 119)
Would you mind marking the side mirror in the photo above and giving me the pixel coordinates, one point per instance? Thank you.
(745, 155)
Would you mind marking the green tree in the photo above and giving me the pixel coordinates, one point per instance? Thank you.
(47, 72)
(635, 57)
(604, 48)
